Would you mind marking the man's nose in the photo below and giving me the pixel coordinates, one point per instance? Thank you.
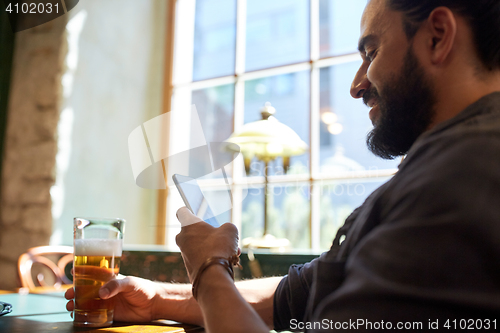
(360, 84)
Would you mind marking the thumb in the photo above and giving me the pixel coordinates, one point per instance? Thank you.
(186, 218)
(114, 287)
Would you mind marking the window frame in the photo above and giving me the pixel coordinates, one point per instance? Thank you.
(182, 85)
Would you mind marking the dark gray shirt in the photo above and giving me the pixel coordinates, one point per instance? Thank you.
(425, 246)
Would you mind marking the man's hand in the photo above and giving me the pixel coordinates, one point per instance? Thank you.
(223, 307)
(134, 298)
(200, 241)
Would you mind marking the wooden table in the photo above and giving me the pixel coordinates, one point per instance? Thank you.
(47, 313)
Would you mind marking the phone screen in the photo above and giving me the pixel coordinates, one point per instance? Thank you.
(194, 199)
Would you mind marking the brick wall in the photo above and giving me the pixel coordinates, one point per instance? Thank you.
(30, 144)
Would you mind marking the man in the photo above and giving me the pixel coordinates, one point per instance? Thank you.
(423, 251)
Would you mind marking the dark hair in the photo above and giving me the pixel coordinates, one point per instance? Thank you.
(482, 15)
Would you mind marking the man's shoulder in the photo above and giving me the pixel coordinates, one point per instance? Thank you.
(473, 144)
(456, 168)
(477, 126)
(465, 157)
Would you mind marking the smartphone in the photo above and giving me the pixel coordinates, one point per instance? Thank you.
(194, 199)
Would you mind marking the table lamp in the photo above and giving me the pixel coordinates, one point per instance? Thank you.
(267, 139)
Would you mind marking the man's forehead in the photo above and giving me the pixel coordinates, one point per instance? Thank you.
(377, 20)
(373, 15)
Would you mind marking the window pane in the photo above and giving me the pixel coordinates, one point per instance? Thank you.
(214, 38)
(215, 108)
(252, 216)
(288, 213)
(338, 200)
(339, 22)
(347, 119)
(289, 94)
(277, 33)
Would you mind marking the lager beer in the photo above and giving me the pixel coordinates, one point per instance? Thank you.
(96, 262)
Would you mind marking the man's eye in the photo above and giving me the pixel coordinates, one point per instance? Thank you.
(371, 55)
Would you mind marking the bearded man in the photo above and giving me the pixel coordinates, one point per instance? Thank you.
(423, 250)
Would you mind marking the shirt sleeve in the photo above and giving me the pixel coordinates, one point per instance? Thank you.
(290, 297)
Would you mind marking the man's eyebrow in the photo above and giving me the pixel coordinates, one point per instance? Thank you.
(368, 39)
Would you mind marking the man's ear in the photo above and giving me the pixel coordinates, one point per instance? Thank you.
(442, 25)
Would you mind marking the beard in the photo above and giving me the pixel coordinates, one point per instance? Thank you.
(406, 105)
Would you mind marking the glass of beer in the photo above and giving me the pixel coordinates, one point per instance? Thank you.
(98, 249)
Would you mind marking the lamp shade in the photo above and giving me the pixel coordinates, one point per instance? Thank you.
(267, 139)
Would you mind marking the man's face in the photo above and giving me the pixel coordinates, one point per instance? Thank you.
(392, 83)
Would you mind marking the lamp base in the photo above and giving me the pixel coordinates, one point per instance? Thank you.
(267, 241)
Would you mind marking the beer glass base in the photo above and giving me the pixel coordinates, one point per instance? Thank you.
(102, 318)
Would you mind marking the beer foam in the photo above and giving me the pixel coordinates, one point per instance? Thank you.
(98, 247)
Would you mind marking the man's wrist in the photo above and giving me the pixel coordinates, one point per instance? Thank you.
(213, 261)
(174, 301)
(214, 278)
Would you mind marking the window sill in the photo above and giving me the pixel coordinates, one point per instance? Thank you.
(161, 263)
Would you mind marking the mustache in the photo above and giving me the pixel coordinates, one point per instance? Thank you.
(369, 94)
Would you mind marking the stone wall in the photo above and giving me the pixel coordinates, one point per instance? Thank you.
(30, 144)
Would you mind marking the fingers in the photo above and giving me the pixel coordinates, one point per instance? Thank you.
(230, 228)
(231, 232)
(227, 230)
(70, 293)
(186, 218)
(70, 306)
(110, 289)
(115, 286)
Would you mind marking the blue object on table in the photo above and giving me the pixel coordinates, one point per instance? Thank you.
(31, 304)
(5, 308)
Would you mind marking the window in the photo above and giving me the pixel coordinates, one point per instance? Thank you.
(232, 56)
